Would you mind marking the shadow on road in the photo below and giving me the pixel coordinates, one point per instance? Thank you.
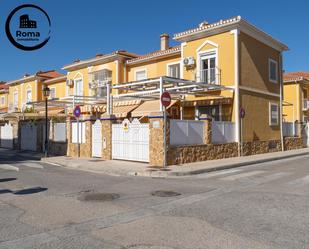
(12, 156)
(7, 179)
(26, 191)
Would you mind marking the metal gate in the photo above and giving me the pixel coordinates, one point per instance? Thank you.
(305, 134)
(130, 141)
(97, 139)
(28, 137)
(7, 136)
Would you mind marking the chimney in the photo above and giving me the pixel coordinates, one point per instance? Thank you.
(164, 41)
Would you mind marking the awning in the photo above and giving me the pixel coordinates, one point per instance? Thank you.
(52, 112)
(123, 111)
(149, 106)
(212, 101)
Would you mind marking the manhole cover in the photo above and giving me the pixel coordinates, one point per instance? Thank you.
(98, 197)
(165, 193)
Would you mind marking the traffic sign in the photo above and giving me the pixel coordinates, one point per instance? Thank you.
(77, 111)
(166, 99)
(242, 112)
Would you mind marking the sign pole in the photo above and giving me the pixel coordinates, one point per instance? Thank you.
(164, 135)
(78, 144)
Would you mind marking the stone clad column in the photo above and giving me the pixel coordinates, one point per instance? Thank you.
(107, 122)
(156, 139)
(207, 128)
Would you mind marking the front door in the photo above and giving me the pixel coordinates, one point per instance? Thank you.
(97, 139)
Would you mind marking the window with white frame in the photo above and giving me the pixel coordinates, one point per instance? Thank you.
(15, 100)
(208, 68)
(140, 75)
(52, 94)
(100, 79)
(173, 70)
(273, 71)
(28, 95)
(78, 87)
(2, 100)
(273, 114)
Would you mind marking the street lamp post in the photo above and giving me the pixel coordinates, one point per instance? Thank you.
(46, 92)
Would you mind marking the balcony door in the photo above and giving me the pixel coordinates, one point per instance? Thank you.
(78, 87)
(208, 68)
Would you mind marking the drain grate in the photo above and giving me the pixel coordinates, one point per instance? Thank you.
(98, 197)
(164, 193)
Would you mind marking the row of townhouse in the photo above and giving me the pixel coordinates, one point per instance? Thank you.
(216, 70)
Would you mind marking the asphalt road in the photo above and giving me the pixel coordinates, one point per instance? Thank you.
(261, 206)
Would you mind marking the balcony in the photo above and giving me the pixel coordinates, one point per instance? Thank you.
(209, 76)
(305, 105)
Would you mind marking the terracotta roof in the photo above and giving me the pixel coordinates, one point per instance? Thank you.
(99, 57)
(3, 85)
(295, 76)
(49, 74)
(156, 54)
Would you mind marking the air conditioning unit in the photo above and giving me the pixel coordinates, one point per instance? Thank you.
(189, 61)
(70, 82)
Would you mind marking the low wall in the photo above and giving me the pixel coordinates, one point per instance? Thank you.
(57, 148)
(292, 143)
(260, 147)
(203, 152)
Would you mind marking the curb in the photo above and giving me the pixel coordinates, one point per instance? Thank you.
(229, 166)
(164, 174)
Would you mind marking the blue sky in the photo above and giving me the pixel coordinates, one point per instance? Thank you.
(85, 28)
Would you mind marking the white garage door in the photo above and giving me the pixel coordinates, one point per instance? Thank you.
(7, 136)
(28, 137)
(130, 141)
(97, 139)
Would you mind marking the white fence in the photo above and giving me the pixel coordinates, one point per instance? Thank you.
(223, 132)
(81, 131)
(60, 132)
(289, 129)
(185, 132)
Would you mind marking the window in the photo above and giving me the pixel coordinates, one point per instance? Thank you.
(208, 70)
(173, 70)
(2, 100)
(78, 87)
(28, 95)
(305, 93)
(140, 75)
(273, 71)
(273, 114)
(100, 79)
(52, 94)
(212, 111)
(15, 100)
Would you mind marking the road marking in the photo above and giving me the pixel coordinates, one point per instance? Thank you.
(219, 173)
(246, 174)
(8, 167)
(300, 181)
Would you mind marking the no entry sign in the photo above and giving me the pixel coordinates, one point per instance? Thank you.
(77, 111)
(166, 99)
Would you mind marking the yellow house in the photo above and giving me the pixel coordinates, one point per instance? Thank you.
(296, 88)
(27, 89)
(230, 53)
(4, 91)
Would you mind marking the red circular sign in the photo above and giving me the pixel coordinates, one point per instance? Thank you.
(242, 112)
(166, 99)
(77, 111)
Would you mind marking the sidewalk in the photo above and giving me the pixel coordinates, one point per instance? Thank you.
(125, 168)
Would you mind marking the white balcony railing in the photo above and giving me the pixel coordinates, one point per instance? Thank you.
(209, 76)
(305, 104)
